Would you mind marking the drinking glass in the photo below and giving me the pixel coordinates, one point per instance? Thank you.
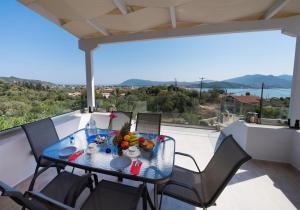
(114, 151)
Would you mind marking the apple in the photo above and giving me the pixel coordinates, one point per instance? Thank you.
(141, 140)
(124, 144)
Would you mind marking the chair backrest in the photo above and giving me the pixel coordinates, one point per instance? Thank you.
(148, 123)
(121, 118)
(40, 135)
(102, 119)
(222, 167)
(19, 198)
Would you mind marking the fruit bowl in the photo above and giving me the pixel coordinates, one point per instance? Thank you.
(124, 139)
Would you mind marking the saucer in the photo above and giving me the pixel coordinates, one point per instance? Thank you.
(134, 154)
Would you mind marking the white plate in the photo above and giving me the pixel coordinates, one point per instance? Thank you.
(120, 163)
(67, 151)
(135, 154)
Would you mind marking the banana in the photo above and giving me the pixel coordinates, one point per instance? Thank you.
(133, 143)
(133, 139)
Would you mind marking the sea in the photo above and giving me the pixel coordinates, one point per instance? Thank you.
(268, 93)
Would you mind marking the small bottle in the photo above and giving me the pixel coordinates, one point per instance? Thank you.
(87, 126)
(93, 127)
(87, 129)
(72, 141)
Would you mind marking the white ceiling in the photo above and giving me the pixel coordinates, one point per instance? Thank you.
(96, 18)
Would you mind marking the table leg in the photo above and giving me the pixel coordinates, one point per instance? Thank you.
(155, 199)
(149, 199)
(145, 200)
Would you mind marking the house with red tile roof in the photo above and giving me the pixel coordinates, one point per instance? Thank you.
(241, 104)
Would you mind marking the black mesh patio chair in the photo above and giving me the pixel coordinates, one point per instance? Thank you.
(114, 196)
(64, 189)
(41, 134)
(148, 123)
(202, 188)
(107, 196)
(121, 118)
(19, 198)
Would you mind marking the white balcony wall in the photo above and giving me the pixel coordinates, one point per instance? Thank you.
(240, 136)
(69, 123)
(270, 142)
(296, 150)
(265, 142)
(17, 163)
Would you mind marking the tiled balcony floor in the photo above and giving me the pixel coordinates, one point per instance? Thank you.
(257, 185)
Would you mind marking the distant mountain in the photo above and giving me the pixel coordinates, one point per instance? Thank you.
(255, 81)
(206, 84)
(223, 84)
(141, 82)
(286, 77)
(145, 83)
(218, 84)
(247, 81)
(16, 79)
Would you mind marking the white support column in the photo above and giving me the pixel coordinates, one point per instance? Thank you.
(90, 86)
(294, 109)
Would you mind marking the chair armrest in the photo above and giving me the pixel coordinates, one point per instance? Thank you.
(53, 164)
(75, 191)
(4, 188)
(187, 155)
(184, 186)
(48, 202)
(45, 169)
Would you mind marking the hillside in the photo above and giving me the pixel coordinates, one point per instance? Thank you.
(223, 84)
(247, 81)
(145, 83)
(286, 77)
(255, 81)
(141, 82)
(196, 84)
(16, 79)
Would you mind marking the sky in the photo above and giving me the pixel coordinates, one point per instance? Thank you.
(34, 48)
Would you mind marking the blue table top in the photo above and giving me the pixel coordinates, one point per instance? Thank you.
(157, 165)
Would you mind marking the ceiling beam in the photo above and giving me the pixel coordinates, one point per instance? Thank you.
(121, 5)
(275, 8)
(100, 29)
(173, 16)
(288, 26)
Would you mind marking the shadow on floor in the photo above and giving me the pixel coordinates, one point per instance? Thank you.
(284, 177)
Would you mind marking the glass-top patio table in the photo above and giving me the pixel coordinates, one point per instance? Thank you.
(156, 166)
